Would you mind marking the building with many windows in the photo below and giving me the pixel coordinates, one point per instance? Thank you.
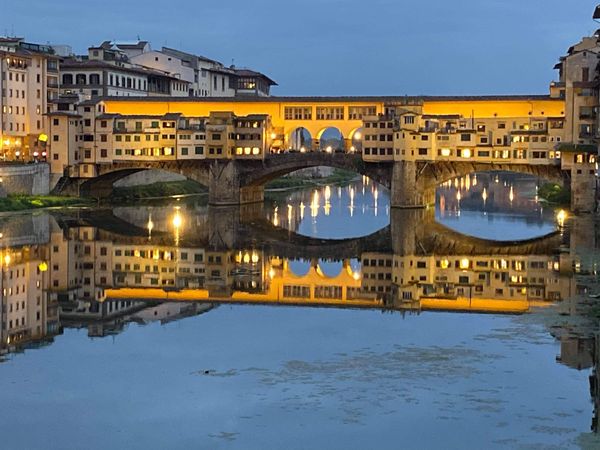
(83, 137)
(29, 82)
(108, 72)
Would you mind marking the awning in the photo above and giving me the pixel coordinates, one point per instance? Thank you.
(577, 148)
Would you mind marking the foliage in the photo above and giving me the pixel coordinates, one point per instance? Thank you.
(24, 202)
(554, 194)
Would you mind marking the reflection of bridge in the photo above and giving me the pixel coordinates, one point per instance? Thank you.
(414, 262)
(99, 267)
(409, 232)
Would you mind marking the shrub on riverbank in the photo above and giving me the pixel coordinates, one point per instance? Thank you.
(555, 194)
(25, 202)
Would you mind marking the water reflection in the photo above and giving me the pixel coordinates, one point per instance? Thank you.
(501, 206)
(334, 212)
(97, 265)
(102, 270)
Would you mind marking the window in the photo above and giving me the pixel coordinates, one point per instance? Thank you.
(358, 112)
(465, 137)
(184, 151)
(330, 113)
(409, 120)
(216, 136)
(199, 150)
(298, 113)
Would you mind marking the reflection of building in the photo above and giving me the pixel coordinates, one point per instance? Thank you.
(29, 316)
(102, 279)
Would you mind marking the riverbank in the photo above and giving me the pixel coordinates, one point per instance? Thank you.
(157, 191)
(26, 202)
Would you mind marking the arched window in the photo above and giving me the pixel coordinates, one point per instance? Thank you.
(94, 78)
(81, 78)
(67, 78)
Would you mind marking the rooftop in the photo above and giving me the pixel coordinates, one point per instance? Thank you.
(97, 64)
(341, 99)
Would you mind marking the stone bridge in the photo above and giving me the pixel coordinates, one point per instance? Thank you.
(242, 181)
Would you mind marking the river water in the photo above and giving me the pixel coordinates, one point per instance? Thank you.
(321, 319)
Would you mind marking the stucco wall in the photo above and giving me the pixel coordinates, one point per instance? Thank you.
(28, 179)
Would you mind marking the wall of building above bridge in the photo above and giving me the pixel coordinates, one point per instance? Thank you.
(479, 107)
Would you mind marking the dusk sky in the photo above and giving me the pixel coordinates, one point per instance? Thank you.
(336, 47)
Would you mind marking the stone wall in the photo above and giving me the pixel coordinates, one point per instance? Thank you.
(28, 179)
(148, 177)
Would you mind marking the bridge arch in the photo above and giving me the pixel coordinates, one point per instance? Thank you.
(280, 165)
(355, 140)
(330, 139)
(102, 185)
(434, 174)
(300, 138)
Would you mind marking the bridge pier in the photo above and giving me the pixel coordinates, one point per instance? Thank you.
(583, 191)
(407, 191)
(224, 187)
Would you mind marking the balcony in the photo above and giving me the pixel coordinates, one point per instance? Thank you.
(52, 84)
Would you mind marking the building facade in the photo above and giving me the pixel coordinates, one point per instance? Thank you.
(29, 82)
